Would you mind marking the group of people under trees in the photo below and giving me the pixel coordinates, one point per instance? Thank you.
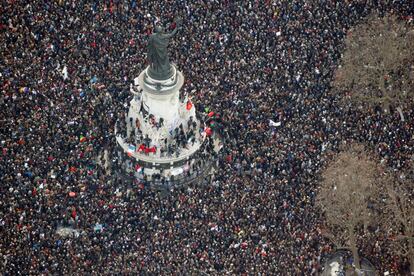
(65, 74)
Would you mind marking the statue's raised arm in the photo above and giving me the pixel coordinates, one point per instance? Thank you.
(160, 67)
(177, 27)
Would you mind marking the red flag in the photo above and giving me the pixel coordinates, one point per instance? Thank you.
(111, 7)
(189, 105)
(141, 147)
(208, 131)
(151, 149)
(74, 213)
(229, 158)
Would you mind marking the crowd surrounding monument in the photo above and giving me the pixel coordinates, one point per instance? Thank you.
(83, 114)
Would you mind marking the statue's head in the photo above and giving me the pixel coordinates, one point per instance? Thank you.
(159, 29)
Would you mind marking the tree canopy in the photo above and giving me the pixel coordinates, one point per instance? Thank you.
(377, 67)
(348, 187)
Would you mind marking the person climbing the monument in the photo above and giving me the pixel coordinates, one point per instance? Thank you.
(160, 67)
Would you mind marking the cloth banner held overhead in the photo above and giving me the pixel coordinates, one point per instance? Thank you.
(65, 72)
(208, 131)
(177, 171)
(138, 168)
(131, 149)
(274, 124)
(82, 138)
(189, 105)
(152, 149)
(143, 148)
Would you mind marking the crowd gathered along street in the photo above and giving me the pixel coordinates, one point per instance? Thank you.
(65, 70)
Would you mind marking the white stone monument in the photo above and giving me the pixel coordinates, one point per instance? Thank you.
(163, 134)
(156, 117)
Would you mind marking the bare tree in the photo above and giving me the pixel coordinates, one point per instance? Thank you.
(346, 190)
(377, 66)
(400, 207)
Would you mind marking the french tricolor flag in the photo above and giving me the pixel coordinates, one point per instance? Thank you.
(131, 150)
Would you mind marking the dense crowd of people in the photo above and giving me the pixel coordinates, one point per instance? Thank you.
(66, 67)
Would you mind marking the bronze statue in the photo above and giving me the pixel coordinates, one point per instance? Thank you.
(160, 67)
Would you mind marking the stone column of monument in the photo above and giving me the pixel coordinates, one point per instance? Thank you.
(167, 136)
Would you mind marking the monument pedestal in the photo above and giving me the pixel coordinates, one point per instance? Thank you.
(168, 141)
